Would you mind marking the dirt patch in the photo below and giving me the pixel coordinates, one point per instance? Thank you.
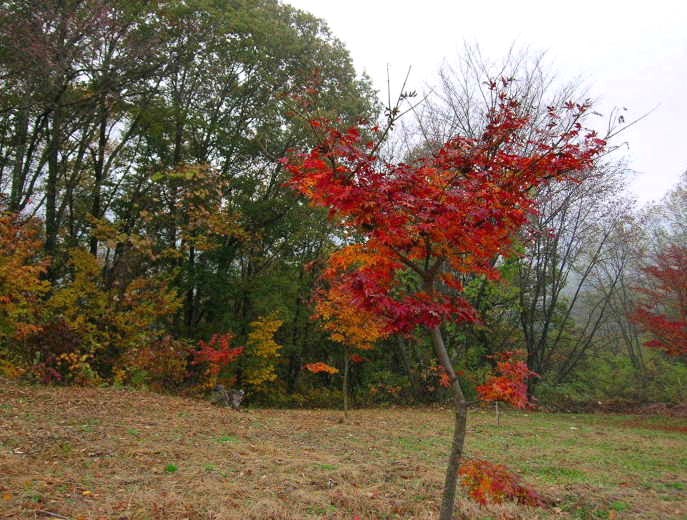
(621, 407)
(649, 425)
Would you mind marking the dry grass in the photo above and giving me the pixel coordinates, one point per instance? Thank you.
(118, 454)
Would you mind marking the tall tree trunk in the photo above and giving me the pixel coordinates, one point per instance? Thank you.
(191, 297)
(51, 224)
(55, 144)
(295, 359)
(99, 170)
(461, 411)
(532, 364)
(17, 190)
(346, 367)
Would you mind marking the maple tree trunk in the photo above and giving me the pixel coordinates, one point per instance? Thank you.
(448, 498)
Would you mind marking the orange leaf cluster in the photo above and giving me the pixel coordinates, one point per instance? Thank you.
(444, 378)
(357, 358)
(510, 385)
(320, 367)
(487, 482)
(346, 323)
(21, 271)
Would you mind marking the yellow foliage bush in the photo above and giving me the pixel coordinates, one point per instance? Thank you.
(97, 330)
(262, 351)
(11, 370)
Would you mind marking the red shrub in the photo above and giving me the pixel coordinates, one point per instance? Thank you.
(487, 482)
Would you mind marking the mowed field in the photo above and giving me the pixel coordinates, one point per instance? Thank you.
(118, 454)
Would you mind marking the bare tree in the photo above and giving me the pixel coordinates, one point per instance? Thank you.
(569, 244)
(616, 279)
(568, 240)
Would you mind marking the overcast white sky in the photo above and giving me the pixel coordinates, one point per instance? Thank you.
(628, 53)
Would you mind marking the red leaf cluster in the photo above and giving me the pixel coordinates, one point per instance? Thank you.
(357, 358)
(510, 383)
(487, 482)
(443, 215)
(444, 378)
(663, 311)
(218, 351)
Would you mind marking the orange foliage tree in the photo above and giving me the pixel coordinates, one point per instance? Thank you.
(22, 288)
(509, 384)
(351, 327)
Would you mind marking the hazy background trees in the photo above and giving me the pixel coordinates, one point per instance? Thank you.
(567, 300)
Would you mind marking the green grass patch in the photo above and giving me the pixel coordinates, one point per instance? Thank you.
(327, 467)
(558, 474)
(227, 439)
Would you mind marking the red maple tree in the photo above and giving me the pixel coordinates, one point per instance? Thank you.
(663, 309)
(216, 355)
(428, 223)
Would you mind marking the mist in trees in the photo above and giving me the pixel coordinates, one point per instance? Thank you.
(569, 296)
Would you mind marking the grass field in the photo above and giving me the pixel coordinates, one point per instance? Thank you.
(118, 454)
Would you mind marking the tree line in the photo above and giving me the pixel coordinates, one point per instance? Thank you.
(149, 237)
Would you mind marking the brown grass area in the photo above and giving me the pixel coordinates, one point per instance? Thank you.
(116, 454)
(642, 423)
